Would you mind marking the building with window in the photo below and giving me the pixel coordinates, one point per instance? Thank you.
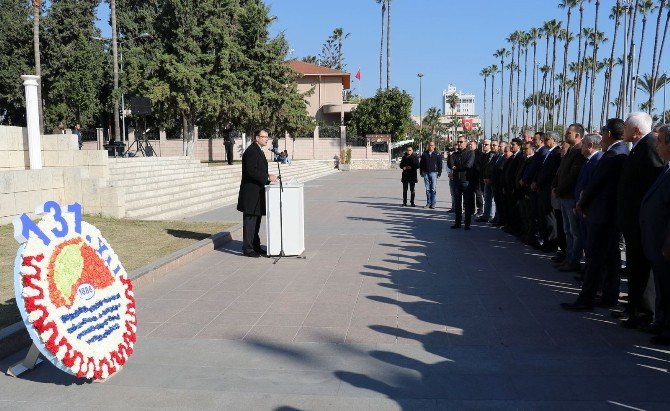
(466, 102)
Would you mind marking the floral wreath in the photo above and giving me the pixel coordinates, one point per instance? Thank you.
(74, 295)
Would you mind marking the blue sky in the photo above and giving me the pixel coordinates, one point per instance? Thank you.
(449, 41)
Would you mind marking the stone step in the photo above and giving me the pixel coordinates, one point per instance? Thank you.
(171, 209)
(156, 195)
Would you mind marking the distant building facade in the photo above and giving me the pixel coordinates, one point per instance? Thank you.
(466, 102)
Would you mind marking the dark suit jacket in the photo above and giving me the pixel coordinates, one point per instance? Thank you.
(464, 161)
(409, 176)
(586, 172)
(251, 199)
(599, 196)
(568, 172)
(638, 173)
(531, 171)
(497, 173)
(431, 163)
(548, 170)
(655, 218)
(511, 170)
(488, 164)
(520, 192)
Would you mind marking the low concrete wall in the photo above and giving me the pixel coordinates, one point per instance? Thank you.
(370, 164)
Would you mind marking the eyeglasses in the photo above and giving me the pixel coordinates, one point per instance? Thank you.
(459, 142)
(486, 144)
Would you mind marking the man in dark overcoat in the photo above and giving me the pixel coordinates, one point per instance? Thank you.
(229, 135)
(409, 164)
(251, 201)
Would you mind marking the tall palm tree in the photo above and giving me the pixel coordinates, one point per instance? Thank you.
(645, 7)
(578, 73)
(432, 122)
(608, 77)
(535, 34)
(485, 73)
(37, 12)
(587, 33)
(525, 42)
(452, 101)
(555, 27)
(381, 43)
(513, 39)
(545, 70)
(388, 44)
(616, 14)
(665, 32)
(493, 69)
(520, 40)
(562, 109)
(621, 98)
(629, 73)
(501, 54)
(569, 5)
(651, 87)
(596, 42)
(654, 73)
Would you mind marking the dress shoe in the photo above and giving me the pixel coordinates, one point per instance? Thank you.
(261, 250)
(455, 226)
(467, 227)
(404, 205)
(660, 340)
(652, 328)
(634, 322)
(412, 205)
(569, 268)
(251, 254)
(577, 306)
(451, 210)
(482, 219)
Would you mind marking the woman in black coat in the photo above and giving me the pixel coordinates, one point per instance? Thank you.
(251, 200)
(409, 165)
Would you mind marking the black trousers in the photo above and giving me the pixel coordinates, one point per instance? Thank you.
(405, 185)
(560, 231)
(464, 196)
(604, 264)
(251, 225)
(662, 283)
(229, 152)
(637, 268)
(500, 206)
(547, 220)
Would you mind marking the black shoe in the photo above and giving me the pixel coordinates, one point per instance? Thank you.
(412, 205)
(577, 306)
(455, 226)
(653, 328)
(482, 219)
(451, 210)
(660, 340)
(634, 322)
(432, 207)
(252, 254)
(261, 250)
(404, 205)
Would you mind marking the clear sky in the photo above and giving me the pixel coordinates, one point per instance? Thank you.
(449, 41)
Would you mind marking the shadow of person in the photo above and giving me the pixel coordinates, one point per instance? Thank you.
(191, 235)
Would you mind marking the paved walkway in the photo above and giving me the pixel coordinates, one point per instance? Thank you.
(390, 310)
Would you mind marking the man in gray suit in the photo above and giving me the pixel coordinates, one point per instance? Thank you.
(655, 227)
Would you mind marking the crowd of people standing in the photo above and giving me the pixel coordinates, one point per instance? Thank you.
(583, 196)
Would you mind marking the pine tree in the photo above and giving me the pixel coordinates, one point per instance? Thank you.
(16, 58)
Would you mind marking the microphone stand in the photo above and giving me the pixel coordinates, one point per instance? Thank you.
(281, 216)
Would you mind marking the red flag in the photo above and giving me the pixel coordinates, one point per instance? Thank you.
(358, 75)
(468, 124)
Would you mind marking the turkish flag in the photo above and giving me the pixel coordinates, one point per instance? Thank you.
(468, 124)
(358, 75)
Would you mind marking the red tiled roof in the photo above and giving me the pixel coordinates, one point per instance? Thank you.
(307, 69)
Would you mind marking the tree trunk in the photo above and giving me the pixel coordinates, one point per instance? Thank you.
(518, 79)
(485, 77)
(381, 47)
(564, 99)
(525, 83)
(493, 83)
(534, 84)
(629, 77)
(388, 45)
(115, 57)
(654, 73)
(502, 93)
(187, 130)
(578, 73)
(608, 86)
(596, 40)
(37, 11)
(639, 58)
(553, 81)
(510, 94)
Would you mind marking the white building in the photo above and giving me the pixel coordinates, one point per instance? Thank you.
(466, 102)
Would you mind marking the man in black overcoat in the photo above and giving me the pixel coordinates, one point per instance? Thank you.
(638, 173)
(409, 166)
(229, 135)
(251, 201)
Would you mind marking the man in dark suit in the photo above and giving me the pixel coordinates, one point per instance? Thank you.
(477, 178)
(655, 230)
(529, 175)
(598, 204)
(251, 201)
(229, 135)
(638, 173)
(497, 183)
(513, 225)
(542, 186)
(464, 180)
(486, 166)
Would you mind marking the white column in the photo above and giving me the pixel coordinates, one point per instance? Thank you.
(33, 120)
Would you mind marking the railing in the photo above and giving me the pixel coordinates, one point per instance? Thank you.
(329, 132)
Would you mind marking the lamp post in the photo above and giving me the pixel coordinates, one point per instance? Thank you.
(116, 82)
(420, 75)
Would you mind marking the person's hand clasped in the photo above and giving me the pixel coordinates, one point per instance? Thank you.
(273, 178)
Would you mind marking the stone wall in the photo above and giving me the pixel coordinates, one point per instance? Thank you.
(370, 164)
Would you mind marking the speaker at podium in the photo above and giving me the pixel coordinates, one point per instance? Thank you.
(285, 219)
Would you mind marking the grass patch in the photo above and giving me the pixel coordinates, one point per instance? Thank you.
(137, 243)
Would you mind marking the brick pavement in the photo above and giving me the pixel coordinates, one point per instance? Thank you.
(390, 310)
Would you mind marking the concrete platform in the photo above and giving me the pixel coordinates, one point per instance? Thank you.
(390, 310)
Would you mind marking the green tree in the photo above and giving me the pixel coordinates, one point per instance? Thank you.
(15, 59)
(387, 112)
(432, 122)
(74, 71)
(331, 52)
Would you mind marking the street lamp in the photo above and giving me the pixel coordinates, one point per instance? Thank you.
(420, 75)
(116, 85)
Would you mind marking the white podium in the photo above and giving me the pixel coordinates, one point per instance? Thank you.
(285, 224)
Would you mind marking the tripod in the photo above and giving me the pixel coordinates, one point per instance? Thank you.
(142, 144)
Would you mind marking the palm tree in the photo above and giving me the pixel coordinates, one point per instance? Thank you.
(567, 4)
(654, 73)
(388, 44)
(596, 41)
(37, 12)
(631, 28)
(485, 73)
(645, 7)
(493, 69)
(578, 73)
(651, 87)
(432, 122)
(617, 12)
(534, 34)
(501, 54)
(381, 43)
(665, 32)
(525, 42)
(608, 78)
(513, 39)
(512, 67)
(545, 71)
(562, 109)
(587, 33)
